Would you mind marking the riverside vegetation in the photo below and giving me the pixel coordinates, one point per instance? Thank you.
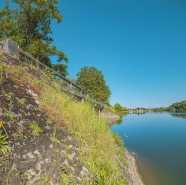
(101, 151)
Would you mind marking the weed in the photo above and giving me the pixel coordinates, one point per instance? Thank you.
(54, 139)
(69, 157)
(66, 178)
(18, 70)
(4, 148)
(15, 134)
(68, 166)
(133, 153)
(117, 139)
(49, 74)
(48, 121)
(36, 130)
(67, 147)
(21, 126)
(11, 116)
(25, 137)
(46, 178)
(52, 163)
(57, 151)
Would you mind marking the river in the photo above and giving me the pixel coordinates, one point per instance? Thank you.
(159, 139)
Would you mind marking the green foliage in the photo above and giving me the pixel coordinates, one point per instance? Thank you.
(124, 109)
(11, 115)
(49, 74)
(63, 82)
(65, 178)
(4, 148)
(46, 178)
(29, 25)
(96, 143)
(36, 130)
(53, 138)
(48, 121)
(161, 109)
(175, 107)
(117, 139)
(57, 151)
(118, 109)
(92, 80)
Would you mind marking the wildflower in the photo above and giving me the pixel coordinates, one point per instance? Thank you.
(1, 123)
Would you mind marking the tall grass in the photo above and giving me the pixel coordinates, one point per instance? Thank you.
(98, 146)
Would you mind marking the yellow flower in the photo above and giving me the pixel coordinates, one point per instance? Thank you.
(1, 123)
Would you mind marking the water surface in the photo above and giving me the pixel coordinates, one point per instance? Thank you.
(159, 139)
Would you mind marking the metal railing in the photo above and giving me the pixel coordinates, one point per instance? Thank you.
(12, 50)
(89, 96)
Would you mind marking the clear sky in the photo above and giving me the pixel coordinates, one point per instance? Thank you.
(139, 45)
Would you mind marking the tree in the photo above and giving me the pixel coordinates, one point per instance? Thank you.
(118, 107)
(29, 26)
(124, 109)
(92, 80)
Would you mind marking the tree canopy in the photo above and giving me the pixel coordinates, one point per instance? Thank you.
(118, 107)
(178, 106)
(29, 26)
(92, 80)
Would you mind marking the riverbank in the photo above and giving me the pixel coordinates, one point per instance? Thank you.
(133, 169)
(53, 137)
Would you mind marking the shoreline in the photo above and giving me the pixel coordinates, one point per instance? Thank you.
(133, 169)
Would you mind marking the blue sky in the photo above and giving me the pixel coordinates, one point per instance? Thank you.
(140, 47)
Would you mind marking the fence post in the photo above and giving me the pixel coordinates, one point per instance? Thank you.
(82, 100)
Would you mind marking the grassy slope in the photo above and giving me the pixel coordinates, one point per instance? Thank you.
(98, 144)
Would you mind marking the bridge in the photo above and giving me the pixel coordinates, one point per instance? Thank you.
(10, 49)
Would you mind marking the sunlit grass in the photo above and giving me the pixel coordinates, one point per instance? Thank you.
(98, 145)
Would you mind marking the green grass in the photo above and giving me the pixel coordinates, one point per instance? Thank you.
(98, 144)
(36, 130)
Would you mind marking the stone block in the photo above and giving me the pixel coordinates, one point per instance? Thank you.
(10, 47)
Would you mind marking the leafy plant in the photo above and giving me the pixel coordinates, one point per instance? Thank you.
(36, 130)
(15, 134)
(46, 178)
(117, 139)
(12, 116)
(66, 178)
(53, 138)
(57, 151)
(4, 148)
(49, 74)
(48, 121)
(69, 157)
(67, 147)
(52, 163)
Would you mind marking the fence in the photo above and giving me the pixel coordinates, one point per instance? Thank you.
(12, 49)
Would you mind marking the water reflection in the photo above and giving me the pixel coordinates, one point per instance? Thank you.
(179, 115)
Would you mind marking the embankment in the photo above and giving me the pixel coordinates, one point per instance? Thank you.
(52, 137)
